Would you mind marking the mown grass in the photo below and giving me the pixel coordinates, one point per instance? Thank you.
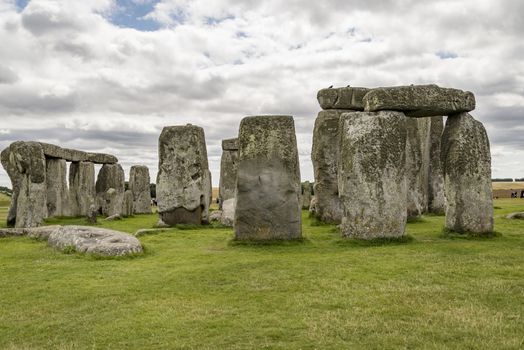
(196, 289)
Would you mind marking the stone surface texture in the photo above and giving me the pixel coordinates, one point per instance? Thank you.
(228, 171)
(16, 181)
(268, 180)
(436, 199)
(419, 100)
(372, 174)
(342, 98)
(466, 161)
(417, 165)
(111, 176)
(127, 209)
(82, 192)
(94, 240)
(183, 180)
(228, 212)
(307, 194)
(57, 190)
(325, 156)
(139, 181)
(73, 155)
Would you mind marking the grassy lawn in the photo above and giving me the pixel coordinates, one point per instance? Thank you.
(195, 289)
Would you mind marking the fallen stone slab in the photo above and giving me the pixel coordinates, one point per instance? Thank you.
(41, 232)
(94, 240)
(73, 155)
(145, 231)
(419, 100)
(342, 98)
(517, 215)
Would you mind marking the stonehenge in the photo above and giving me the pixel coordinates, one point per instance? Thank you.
(183, 180)
(372, 174)
(436, 200)
(56, 185)
(139, 181)
(228, 170)
(81, 187)
(110, 187)
(307, 194)
(268, 180)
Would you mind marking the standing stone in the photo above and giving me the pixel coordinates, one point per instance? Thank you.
(228, 170)
(436, 201)
(127, 209)
(349, 98)
(27, 170)
(110, 176)
(325, 155)
(139, 185)
(57, 190)
(16, 181)
(417, 165)
(268, 180)
(209, 199)
(466, 161)
(419, 100)
(372, 174)
(307, 192)
(91, 214)
(183, 179)
(228, 212)
(81, 187)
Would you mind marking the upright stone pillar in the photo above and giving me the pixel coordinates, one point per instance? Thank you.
(183, 181)
(228, 170)
(436, 201)
(81, 187)
(417, 165)
(25, 164)
(110, 176)
(325, 156)
(268, 180)
(307, 194)
(56, 184)
(139, 185)
(466, 160)
(372, 174)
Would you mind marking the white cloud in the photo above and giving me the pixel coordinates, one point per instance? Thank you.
(70, 76)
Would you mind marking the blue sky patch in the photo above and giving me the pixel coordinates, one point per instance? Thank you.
(130, 14)
(21, 4)
(444, 55)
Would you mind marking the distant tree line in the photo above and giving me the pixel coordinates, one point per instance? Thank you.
(502, 180)
(6, 191)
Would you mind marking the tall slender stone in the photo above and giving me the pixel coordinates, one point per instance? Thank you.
(307, 193)
(325, 156)
(57, 190)
(139, 185)
(268, 180)
(82, 192)
(183, 180)
(110, 176)
(16, 182)
(466, 161)
(436, 200)
(372, 174)
(417, 165)
(228, 170)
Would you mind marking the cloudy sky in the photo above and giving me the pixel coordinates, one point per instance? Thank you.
(107, 75)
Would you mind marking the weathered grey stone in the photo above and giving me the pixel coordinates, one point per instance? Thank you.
(161, 224)
(419, 100)
(228, 212)
(110, 176)
(113, 217)
(342, 98)
(228, 173)
(436, 199)
(372, 174)
(517, 215)
(81, 187)
(268, 180)
(27, 168)
(73, 155)
(325, 155)
(16, 181)
(466, 161)
(57, 190)
(145, 231)
(40, 233)
(209, 198)
(417, 165)
(91, 214)
(183, 179)
(94, 240)
(307, 193)
(230, 144)
(139, 185)
(313, 206)
(215, 215)
(127, 209)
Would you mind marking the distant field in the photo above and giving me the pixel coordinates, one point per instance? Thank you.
(508, 185)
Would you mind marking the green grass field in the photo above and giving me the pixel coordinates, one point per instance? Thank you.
(196, 289)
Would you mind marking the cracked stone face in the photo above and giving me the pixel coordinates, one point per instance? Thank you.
(372, 174)
(139, 185)
(466, 161)
(268, 180)
(82, 192)
(183, 181)
(111, 176)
